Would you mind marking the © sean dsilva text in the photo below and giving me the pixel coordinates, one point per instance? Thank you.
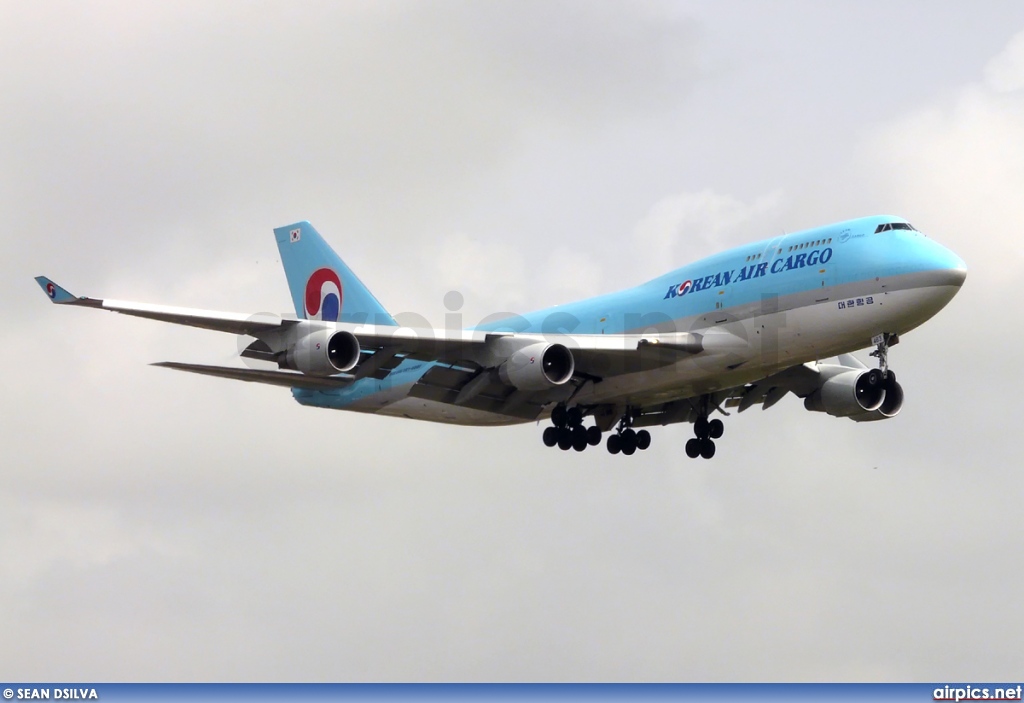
(73, 694)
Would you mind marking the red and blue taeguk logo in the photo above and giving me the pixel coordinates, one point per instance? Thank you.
(323, 296)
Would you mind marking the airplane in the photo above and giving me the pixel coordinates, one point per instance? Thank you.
(740, 328)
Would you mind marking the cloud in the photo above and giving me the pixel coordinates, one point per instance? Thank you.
(1005, 72)
(960, 164)
(689, 226)
(152, 119)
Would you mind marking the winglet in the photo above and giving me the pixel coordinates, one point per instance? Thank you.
(55, 292)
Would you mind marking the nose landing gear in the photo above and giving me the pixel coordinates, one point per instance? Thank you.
(882, 343)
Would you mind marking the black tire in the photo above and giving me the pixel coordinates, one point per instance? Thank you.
(550, 436)
(558, 416)
(716, 429)
(707, 448)
(643, 440)
(593, 436)
(628, 442)
(614, 444)
(564, 439)
(579, 438)
(700, 428)
(574, 417)
(693, 448)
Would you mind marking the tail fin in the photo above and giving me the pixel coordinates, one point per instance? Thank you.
(322, 286)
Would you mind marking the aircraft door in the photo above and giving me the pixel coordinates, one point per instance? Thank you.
(825, 272)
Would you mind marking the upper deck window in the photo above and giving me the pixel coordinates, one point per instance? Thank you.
(894, 225)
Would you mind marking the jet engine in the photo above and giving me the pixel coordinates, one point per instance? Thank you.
(890, 407)
(847, 393)
(538, 366)
(323, 353)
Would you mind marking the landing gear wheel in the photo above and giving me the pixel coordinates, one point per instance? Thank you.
(579, 438)
(707, 448)
(693, 448)
(593, 436)
(564, 439)
(574, 417)
(700, 428)
(643, 439)
(875, 378)
(559, 416)
(614, 444)
(550, 436)
(716, 429)
(628, 442)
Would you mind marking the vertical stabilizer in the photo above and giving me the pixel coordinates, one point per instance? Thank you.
(322, 286)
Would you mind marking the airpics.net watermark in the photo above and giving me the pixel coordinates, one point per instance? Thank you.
(977, 693)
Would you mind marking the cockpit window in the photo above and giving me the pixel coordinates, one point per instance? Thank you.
(894, 225)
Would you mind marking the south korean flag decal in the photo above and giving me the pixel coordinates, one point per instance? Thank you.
(295, 235)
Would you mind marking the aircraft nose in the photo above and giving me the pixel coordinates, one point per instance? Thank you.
(955, 269)
(958, 275)
(947, 268)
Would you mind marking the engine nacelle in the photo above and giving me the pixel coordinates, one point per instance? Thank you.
(890, 407)
(538, 366)
(323, 353)
(848, 393)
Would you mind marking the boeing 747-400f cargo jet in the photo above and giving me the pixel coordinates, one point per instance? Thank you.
(737, 329)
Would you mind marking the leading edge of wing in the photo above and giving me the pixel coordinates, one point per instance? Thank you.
(286, 379)
(434, 344)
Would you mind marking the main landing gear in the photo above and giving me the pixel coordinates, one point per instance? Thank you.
(568, 431)
(626, 439)
(705, 432)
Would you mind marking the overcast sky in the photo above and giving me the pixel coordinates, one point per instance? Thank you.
(162, 526)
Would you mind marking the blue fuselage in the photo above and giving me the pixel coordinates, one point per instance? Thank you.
(791, 299)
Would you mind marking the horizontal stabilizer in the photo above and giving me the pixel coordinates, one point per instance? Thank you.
(287, 379)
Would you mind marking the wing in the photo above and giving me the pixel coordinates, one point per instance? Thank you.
(288, 379)
(233, 322)
(468, 361)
